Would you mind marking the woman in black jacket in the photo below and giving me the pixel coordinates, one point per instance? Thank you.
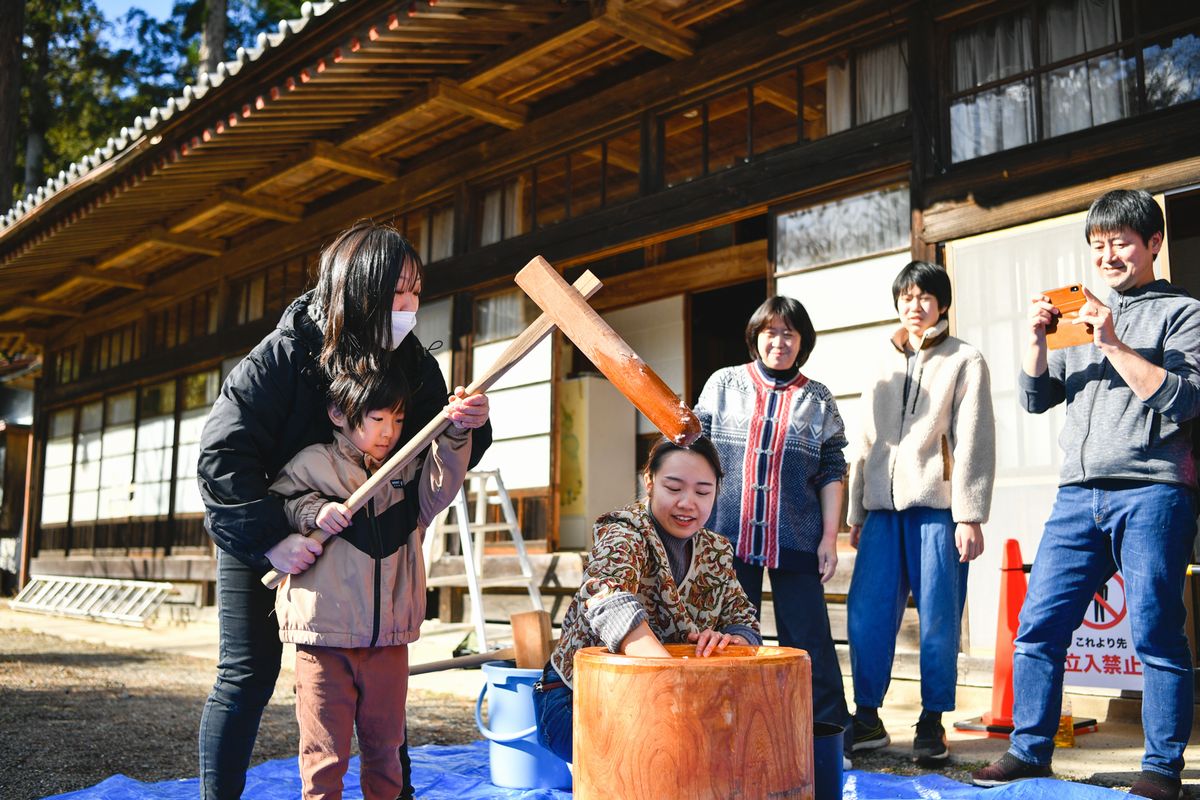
(271, 406)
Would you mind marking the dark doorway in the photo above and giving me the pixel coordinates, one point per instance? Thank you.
(718, 329)
(1183, 240)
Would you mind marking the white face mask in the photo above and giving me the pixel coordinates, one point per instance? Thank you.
(402, 324)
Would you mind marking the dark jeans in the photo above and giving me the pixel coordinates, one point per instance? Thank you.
(1146, 531)
(247, 667)
(554, 714)
(802, 621)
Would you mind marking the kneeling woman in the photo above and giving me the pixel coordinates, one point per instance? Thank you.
(655, 576)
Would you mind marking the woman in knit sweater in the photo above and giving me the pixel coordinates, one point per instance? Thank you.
(919, 492)
(655, 576)
(781, 438)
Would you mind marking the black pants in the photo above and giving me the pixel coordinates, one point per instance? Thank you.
(247, 668)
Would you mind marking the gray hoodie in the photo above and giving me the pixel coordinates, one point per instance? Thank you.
(1110, 433)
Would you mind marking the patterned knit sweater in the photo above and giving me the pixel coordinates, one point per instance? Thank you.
(779, 444)
(629, 568)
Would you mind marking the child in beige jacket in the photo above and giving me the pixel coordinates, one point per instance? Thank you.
(352, 613)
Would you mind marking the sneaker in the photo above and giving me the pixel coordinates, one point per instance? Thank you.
(1157, 786)
(869, 736)
(1006, 770)
(847, 764)
(929, 744)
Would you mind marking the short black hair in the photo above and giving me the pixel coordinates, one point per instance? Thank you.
(355, 394)
(792, 312)
(702, 447)
(928, 278)
(1125, 208)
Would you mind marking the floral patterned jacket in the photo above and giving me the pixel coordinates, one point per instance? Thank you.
(628, 558)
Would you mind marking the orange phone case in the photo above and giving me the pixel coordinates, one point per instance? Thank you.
(1062, 333)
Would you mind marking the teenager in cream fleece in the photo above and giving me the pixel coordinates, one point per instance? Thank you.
(920, 491)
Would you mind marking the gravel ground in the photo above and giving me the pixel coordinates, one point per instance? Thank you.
(73, 714)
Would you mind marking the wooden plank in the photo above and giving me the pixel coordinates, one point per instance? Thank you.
(478, 103)
(647, 28)
(352, 163)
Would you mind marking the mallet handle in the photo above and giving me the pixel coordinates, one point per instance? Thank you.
(587, 285)
(632, 376)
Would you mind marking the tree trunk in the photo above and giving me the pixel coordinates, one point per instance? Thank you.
(12, 24)
(212, 46)
(39, 108)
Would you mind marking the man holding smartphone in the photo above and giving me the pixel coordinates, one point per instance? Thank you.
(1126, 498)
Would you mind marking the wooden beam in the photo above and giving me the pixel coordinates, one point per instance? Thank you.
(31, 305)
(185, 242)
(352, 163)
(226, 200)
(478, 103)
(648, 28)
(109, 277)
(545, 40)
(743, 262)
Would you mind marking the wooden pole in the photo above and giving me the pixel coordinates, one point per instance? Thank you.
(587, 285)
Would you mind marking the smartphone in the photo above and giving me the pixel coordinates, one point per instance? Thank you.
(1062, 332)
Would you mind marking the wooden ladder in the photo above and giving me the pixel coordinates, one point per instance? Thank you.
(488, 489)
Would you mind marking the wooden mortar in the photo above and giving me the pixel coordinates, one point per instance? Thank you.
(735, 725)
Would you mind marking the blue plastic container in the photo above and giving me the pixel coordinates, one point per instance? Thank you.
(828, 747)
(517, 760)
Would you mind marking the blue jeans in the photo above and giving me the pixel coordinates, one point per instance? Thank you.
(1146, 531)
(802, 620)
(555, 716)
(898, 552)
(247, 667)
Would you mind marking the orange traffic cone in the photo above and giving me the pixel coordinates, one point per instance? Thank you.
(998, 722)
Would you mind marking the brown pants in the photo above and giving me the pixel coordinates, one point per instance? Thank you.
(337, 688)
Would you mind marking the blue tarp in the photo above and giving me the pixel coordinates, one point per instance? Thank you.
(461, 773)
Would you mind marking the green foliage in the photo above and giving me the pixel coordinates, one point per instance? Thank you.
(81, 87)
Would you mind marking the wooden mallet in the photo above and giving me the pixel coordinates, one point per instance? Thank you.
(609, 352)
(587, 285)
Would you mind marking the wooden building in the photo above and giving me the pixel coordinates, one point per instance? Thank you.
(696, 154)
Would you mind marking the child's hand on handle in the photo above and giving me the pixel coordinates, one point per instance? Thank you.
(708, 640)
(294, 554)
(465, 411)
(333, 518)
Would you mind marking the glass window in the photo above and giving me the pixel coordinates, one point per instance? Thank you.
(728, 130)
(622, 166)
(86, 496)
(841, 230)
(1065, 66)
(155, 444)
(504, 210)
(1172, 70)
(683, 146)
(199, 393)
(880, 82)
(503, 316)
(116, 460)
(775, 113)
(250, 297)
(551, 191)
(56, 480)
(587, 179)
(434, 326)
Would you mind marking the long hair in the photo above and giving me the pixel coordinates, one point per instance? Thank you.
(358, 276)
